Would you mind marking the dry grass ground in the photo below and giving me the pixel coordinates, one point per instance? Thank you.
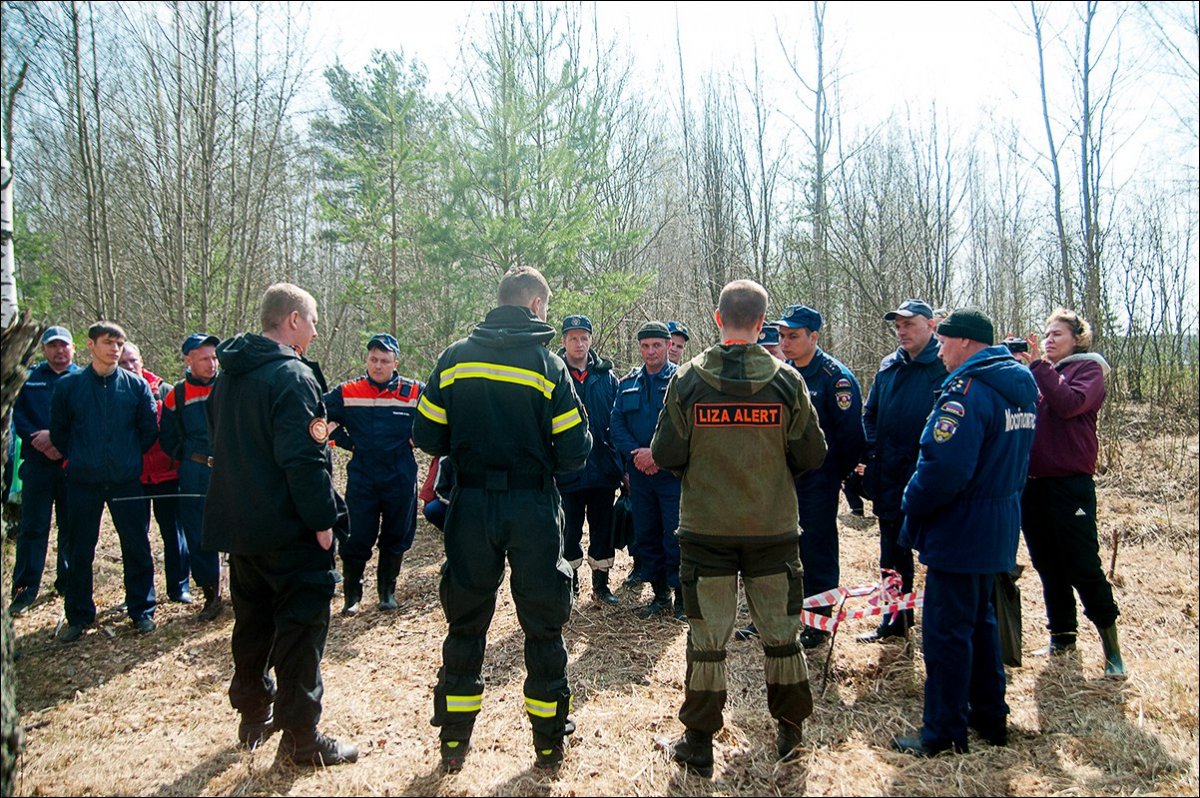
(118, 713)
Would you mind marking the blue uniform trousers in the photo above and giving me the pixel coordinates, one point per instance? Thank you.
(817, 499)
(85, 504)
(655, 524)
(964, 674)
(193, 479)
(162, 501)
(383, 511)
(43, 487)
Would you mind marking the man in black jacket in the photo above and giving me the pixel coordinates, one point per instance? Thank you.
(271, 504)
(102, 420)
(502, 407)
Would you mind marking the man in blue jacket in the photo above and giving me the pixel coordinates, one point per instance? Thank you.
(962, 511)
(901, 397)
(655, 491)
(377, 410)
(836, 395)
(42, 478)
(591, 490)
(103, 420)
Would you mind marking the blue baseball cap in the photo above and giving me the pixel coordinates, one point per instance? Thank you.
(799, 316)
(678, 328)
(909, 308)
(385, 342)
(576, 323)
(769, 335)
(57, 333)
(197, 340)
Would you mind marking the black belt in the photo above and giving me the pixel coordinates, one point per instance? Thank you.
(504, 480)
(202, 459)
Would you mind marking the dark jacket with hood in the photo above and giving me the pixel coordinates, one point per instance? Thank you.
(597, 387)
(103, 425)
(897, 408)
(963, 504)
(1070, 393)
(500, 401)
(272, 477)
(739, 427)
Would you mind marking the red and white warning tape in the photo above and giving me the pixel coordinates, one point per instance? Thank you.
(885, 597)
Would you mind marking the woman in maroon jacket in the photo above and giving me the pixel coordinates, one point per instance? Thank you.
(1058, 508)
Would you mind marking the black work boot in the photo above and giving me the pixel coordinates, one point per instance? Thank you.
(454, 754)
(1113, 664)
(214, 604)
(694, 752)
(660, 605)
(680, 612)
(255, 728)
(600, 591)
(385, 579)
(787, 740)
(993, 729)
(313, 748)
(635, 576)
(352, 587)
(548, 751)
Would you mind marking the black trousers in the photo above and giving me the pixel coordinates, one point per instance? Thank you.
(597, 504)
(899, 559)
(483, 529)
(281, 618)
(1058, 515)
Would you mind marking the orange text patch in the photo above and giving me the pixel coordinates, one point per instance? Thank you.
(738, 415)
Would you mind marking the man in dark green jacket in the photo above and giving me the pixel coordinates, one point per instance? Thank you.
(739, 427)
(271, 504)
(501, 406)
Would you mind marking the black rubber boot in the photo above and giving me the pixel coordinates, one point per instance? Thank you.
(600, 591)
(1059, 644)
(352, 587)
(1113, 664)
(694, 751)
(660, 605)
(214, 604)
(454, 754)
(385, 579)
(787, 740)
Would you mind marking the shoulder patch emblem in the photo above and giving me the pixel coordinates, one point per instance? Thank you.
(842, 383)
(318, 430)
(954, 408)
(843, 400)
(944, 429)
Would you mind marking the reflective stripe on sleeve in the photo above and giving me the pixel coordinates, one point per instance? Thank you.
(431, 411)
(565, 421)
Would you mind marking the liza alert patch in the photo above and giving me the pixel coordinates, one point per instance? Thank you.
(733, 414)
(318, 430)
(944, 428)
(843, 400)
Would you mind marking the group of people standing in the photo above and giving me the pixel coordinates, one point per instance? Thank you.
(529, 445)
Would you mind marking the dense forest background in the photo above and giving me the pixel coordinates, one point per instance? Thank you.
(170, 163)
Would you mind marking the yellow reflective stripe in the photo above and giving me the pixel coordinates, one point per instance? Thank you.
(541, 709)
(431, 411)
(498, 373)
(464, 703)
(565, 421)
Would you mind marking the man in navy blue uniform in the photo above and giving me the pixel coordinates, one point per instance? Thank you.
(102, 420)
(42, 477)
(901, 397)
(591, 490)
(962, 511)
(679, 341)
(838, 400)
(654, 491)
(377, 411)
(183, 434)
